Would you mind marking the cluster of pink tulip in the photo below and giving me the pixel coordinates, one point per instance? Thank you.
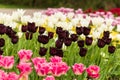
(92, 70)
(56, 67)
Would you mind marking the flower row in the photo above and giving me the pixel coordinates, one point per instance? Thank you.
(56, 67)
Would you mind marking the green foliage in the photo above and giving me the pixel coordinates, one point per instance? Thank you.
(84, 4)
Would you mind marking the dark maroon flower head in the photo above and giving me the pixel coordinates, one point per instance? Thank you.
(31, 27)
(42, 51)
(107, 40)
(43, 39)
(88, 40)
(83, 52)
(50, 35)
(74, 37)
(2, 42)
(58, 44)
(58, 30)
(41, 30)
(101, 43)
(1, 51)
(63, 34)
(79, 30)
(111, 49)
(24, 28)
(86, 31)
(59, 53)
(67, 41)
(80, 43)
(2, 29)
(53, 51)
(27, 35)
(10, 32)
(14, 39)
(106, 34)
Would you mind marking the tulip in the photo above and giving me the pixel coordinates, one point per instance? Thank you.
(80, 43)
(59, 53)
(1, 51)
(78, 69)
(25, 55)
(74, 37)
(93, 71)
(55, 59)
(41, 30)
(79, 30)
(31, 27)
(59, 43)
(24, 28)
(12, 76)
(67, 41)
(88, 40)
(59, 30)
(8, 62)
(111, 49)
(43, 39)
(3, 75)
(101, 43)
(14, 39)
(86, 30)
(82, 52)
(42, 51)
(2, 29)
(50, 35)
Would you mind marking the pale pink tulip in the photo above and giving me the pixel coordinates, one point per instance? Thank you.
(25, 55)
(49, 78)
(78, 69)
(93, 71)
(8, 62)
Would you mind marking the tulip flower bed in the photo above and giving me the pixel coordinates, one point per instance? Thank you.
(60, 44)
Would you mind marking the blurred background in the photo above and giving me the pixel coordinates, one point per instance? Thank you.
(43, 4)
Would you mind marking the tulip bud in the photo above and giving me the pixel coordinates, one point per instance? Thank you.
(74, 37)
(82, 52)
(43, 39)
(79, 30)
(42, 51)
(111, 49)
(59, 43)
(88, 40)
(80, 43)
(101, 43)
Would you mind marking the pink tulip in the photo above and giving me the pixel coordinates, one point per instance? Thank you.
(93, 71)
(25, 68)
(78, 69)
(55, 59)
(42, 69)
(58, 69)
(1, 60)
(38, 61)
(25, 55)
(3, 75)
(12, 76)
(8, 62)
(49, 78)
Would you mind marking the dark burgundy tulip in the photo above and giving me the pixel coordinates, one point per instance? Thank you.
(111, 49)
(59, 53)
(41, 30)
(88, 40)
(2, 42)
(83, 52)
(10, 32)
(80, 43)
(27, 35)
(42, 51)
(24, 28)
(53, 51)
(2, 29)
(31, 27)
(101, 43)
(107, 40)
(43, 39)
(1, 51)
(106, 34)
(63, 34)
(74, 37)
(58, 30)
(86, 31)
(79, 30)
(67, 41)
(50, 35)
(58, 44)
(14, 39)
